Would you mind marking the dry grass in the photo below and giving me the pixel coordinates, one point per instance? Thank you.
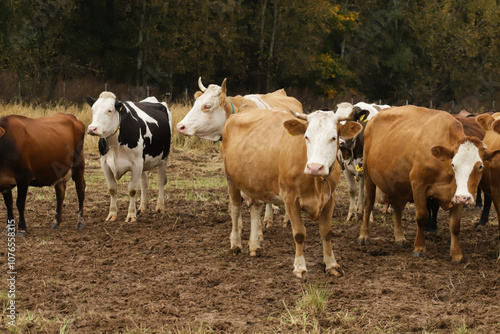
(84, 114)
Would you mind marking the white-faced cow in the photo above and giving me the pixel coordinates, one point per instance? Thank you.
(296, 166)
(213, 107)
(350, 154)
(135, 137)
(47, 151)
(412, 154)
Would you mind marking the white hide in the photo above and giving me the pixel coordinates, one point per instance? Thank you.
(463, 163)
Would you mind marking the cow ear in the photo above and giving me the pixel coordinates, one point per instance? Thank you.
(2, 132)
(495, 126)
(198, 94)
(493, 157)
(90, 100)
(361, 114)
(222, 100)
(295, 127)
(119, 107)
(485, 121)
(349, 129)
(442, 153)
(223, 86)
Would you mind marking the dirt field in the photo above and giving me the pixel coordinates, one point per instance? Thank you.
(175, 273)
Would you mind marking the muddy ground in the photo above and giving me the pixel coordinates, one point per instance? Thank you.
(174, 272)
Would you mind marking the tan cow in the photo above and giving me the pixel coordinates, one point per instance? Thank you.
(213, 107)
(296, 167)
(412, 154)
(490, 182)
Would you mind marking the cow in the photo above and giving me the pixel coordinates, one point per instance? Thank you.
(471, 128)
(413, 153)
(287, 161)
(135, 137)
(490, 182)
(350, 154)
(213, 107)
(46, 151)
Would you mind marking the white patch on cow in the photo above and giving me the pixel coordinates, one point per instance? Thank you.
(258, 100)
(321, 142)
(205, 120)
(145, 117)
(463, 162)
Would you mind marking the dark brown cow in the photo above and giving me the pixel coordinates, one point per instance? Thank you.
(413, 153)
(41, 152)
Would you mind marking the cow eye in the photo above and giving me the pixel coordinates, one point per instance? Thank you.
(306, 137)
(480, 167)
(334, 139)
(207, 106)
(110, 111)
(452, 165)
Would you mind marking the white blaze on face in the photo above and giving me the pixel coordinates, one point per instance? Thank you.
(463, 164)
(321, 142)
(205, 120)
(105, 119)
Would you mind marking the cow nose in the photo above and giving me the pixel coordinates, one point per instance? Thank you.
(315, 169)
(91, 130)
(181, 128)
(465, 200)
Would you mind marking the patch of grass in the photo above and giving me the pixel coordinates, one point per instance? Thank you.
(462, 328)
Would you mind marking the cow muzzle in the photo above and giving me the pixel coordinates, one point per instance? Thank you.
(92, 130)
(181, 128)
(316, 169)
(463, 199)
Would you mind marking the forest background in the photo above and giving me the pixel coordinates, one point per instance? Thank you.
(433, 53)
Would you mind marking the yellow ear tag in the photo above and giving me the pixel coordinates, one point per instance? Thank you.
(359, 169)
(362, 118)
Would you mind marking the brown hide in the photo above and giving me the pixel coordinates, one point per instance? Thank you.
(40, 152)
(401, 146)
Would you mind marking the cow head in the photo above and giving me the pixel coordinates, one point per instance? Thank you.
(105, 115)
(207, 117)
(321, 132)
(466, 163)
(351, 150)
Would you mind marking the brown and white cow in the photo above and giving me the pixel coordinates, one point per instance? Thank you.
(296, 166)
(490, 182)
(213, 107)
(47, 151)
(412, 154)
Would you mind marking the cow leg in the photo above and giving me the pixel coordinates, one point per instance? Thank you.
(369, 200)
(495, 196)
(485, 214)
(325, 230)
(399, 235)
(79, 179)
(286, 218)
(235, 199)
(143, 207)
(60, 194)
(422, 217)
(432, 208)
(162, 181)
(268, 215)
(299, 236)
(479, 201)
(22, 191)
(132, 192)
(255, 227)
(455, 216)
(112, 188)
(361, 193)
(351, 184)
(9, 204)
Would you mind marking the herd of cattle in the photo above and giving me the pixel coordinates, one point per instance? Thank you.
(273, 154)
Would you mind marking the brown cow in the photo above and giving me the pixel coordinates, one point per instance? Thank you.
(490, 182)
(263, 161)
(413, 153)
(41, 152)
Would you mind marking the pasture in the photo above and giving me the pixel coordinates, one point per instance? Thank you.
(174, 273)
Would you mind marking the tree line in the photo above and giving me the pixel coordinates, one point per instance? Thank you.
(393, 50)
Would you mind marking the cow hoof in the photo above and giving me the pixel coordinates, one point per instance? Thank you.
(479, 226)
(420, 254)
(335, 272)
(21, 233)
(130, 219)
(236, 250)
(160, 210)
(400, 243)
(54, 226)
(112, 218)
(431, 229)
(256, 252)
(360, 211)
(363, 241)
(79, 226)
(267, 223)
(349, 217)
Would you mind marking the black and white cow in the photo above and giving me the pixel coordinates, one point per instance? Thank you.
(135, 137)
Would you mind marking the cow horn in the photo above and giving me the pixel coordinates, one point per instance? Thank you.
(296, 114)
(202, 88)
